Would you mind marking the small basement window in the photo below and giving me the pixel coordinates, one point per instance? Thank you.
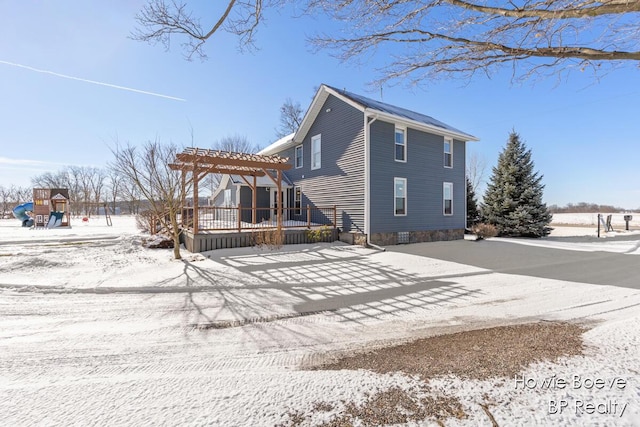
(403, 237)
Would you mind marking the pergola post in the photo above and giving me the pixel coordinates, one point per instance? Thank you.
(195, 196)
(201, 162)
(279, 198)
(254, 199)
(183, 196)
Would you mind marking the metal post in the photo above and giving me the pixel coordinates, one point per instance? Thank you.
(308, 216)
(599, 218)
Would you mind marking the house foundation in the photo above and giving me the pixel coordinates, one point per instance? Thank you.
(395, 238)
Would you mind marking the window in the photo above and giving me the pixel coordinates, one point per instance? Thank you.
(316, 151)
(400, 145)
(447, 198)
(297, 200)
(227, 198)
(298, 156)
(448, 153)
(400, 195)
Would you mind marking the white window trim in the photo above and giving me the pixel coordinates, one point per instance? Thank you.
(450, 141)
(317, 138)
(444, 186)
(406, 196)
(404, 132)
(295, 156)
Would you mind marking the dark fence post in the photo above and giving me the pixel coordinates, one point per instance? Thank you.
(335, 216)
(239, 217)
(308, 216)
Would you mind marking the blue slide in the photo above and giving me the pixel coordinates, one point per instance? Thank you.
(20, 212)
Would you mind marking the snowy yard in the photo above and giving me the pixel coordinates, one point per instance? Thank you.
(97, 330)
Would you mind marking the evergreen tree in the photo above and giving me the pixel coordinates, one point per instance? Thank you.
(473, 215)
(513, 200)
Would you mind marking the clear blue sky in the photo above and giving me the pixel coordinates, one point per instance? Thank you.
(583, 132)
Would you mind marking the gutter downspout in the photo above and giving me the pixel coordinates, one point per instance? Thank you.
(367, 174)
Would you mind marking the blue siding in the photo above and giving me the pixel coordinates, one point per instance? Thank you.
(340, 179)
(425, 174)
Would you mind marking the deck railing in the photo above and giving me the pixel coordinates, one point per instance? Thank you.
(211, 218)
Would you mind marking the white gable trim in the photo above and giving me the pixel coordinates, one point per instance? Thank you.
(316, 105)
(221, 186)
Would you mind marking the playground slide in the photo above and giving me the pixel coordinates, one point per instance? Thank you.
(20, 212)
(55, 219)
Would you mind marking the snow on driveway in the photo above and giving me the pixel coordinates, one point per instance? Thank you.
(105, 332)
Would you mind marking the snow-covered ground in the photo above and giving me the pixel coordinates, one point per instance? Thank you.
(97, 330)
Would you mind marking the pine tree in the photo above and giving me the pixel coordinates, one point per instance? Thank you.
(513, 200)
(473, 215)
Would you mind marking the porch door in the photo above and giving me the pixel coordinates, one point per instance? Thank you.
(274, 204)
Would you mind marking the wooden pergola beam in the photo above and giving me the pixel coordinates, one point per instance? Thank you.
(216, 169)
(236, 162)
(201, 162)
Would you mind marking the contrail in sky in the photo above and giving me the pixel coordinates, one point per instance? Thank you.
(144, 92)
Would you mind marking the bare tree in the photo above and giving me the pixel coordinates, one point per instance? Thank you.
(58, 179)
(148, 168)
(6, 199)
(23, 194)
(131, 195)
(476, 169)
(236, 143)
(291, 115)
(115, 187)
(434, 38)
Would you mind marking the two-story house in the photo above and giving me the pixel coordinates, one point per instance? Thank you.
(396, 176)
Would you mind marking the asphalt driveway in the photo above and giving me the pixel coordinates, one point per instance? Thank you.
(502, 256)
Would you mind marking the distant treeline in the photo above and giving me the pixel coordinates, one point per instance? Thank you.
(585, 208)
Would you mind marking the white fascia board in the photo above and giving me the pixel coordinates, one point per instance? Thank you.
(316, 105)
(421, 126)
(311, 114)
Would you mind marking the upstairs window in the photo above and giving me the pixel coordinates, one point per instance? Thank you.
(400, 196)
(298, 157)
(316, 152)
(448, 153)
(447, 198)
(400, 145)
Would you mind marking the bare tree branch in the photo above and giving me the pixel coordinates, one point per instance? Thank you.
(160, 20)
(291, 114)
(425, 39)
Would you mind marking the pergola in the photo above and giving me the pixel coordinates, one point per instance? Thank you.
(200, 162)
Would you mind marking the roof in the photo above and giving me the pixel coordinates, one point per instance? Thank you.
(370, 108)
(275, 146)
(383, 107)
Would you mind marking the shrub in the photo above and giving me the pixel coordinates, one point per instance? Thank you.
(145, 221)
(484, 231)
(270, 238)
(319, 234)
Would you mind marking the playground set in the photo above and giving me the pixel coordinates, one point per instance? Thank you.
(49, 209)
